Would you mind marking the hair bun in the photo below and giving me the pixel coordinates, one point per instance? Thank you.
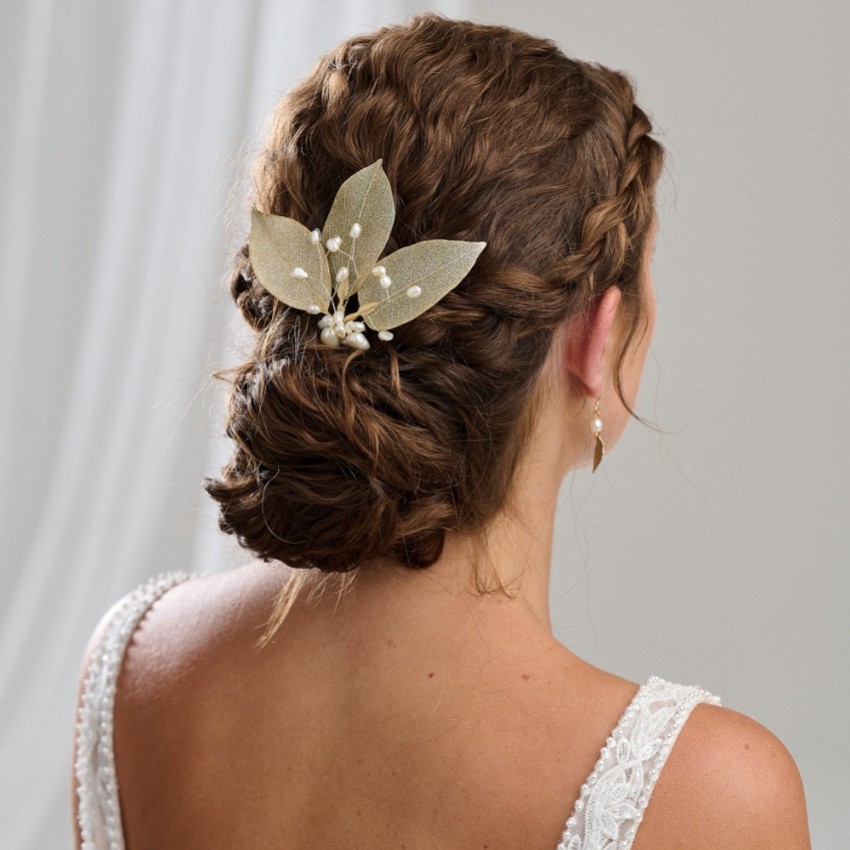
(330, 470)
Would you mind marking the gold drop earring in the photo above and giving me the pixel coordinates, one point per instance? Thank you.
(596, 430)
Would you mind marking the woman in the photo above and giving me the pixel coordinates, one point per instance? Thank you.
(385, 675)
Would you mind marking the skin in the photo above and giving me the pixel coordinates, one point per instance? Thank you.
(411, 711)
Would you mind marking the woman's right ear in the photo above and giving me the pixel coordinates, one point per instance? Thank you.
(586, 341)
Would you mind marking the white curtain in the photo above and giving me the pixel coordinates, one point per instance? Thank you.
(124, 132)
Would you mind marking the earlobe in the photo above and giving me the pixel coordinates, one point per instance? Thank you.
(587, 340)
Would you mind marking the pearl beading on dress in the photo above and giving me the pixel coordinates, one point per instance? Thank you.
(99, 812)
(612, 802)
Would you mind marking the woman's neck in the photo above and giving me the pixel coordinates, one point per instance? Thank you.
(497, 584)
(461, 590)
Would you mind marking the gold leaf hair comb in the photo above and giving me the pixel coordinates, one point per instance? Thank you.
(319, 271)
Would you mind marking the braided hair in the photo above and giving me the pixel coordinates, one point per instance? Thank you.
(486, 134)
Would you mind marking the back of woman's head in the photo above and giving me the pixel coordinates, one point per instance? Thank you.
(486, 134)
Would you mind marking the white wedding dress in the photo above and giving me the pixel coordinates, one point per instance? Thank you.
(606, 815)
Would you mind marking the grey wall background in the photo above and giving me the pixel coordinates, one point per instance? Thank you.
(714, 553)
(719, 552)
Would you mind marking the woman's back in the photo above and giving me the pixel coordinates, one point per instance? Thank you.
(355, 728)
(449, 282)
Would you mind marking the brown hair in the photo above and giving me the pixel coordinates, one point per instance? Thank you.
(486, 134)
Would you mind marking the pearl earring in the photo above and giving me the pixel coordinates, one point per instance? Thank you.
(596, 430)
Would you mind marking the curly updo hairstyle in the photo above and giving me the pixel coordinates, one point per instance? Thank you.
(486, 134)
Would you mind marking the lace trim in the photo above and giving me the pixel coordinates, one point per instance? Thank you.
(99, 812)
(612, 802)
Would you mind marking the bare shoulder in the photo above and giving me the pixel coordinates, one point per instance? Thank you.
(195, 623)
(728, 783)
(190, 619)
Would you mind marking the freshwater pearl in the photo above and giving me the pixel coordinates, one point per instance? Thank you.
(386, 336)
(328, 337)
(355, 231)
(357, 340)
(386, 281)
(299, 273)
(333, 243)
(596, 426)
(379, 270)
(342, 274)
(413, 291)
(316, 236)
(314, 308)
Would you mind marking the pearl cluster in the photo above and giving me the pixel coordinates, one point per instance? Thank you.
(612, 801)
(337, 328)
(98, 808)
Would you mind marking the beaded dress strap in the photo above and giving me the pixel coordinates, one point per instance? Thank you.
(612, 802)
(99, 812)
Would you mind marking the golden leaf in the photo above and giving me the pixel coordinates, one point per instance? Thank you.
(433, 267)
(598, 452)
(280, 246)
(367, 308)
(365, 199)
